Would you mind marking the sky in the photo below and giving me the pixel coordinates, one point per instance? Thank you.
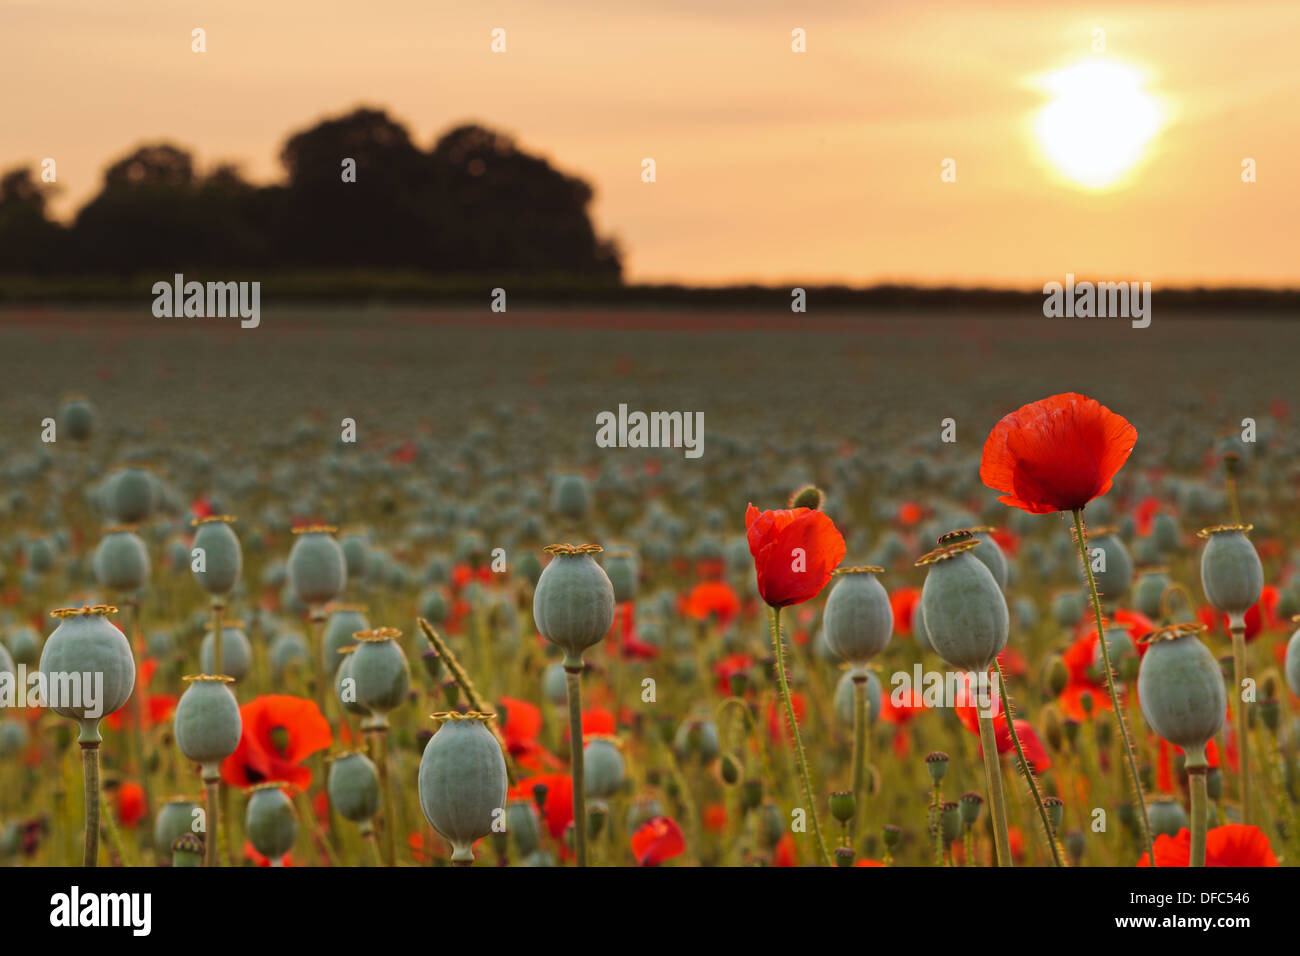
(771, 165)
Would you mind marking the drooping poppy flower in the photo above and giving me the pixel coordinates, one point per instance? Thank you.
(712, 600)
(1056, 454)
(795, 550)
(657, 840)
(279, 733)
(1233, 844)
(130, 803)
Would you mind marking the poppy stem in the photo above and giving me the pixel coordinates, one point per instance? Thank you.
(90, 766)
(1081, 536)
(379, 754)
(859, 747)
(794, 730)
(997, 803)
(211, 786)
(1196, 783)
(936, 801)
(1025, 769)
(217, 607)
(1237, 625)
(573, 687)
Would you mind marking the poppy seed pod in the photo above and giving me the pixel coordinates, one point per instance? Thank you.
(570, 498)
(354, 787)
(1231, 573)
(1149, 594)
(173, 821)
(1166, 816)
(207, 724)
(380, 670)
(991, 556)
(965, 612)
(344, 621)
(573, 605)
(87, 645)
(77, 419)
(318, 572)
(288, 650)
(130, 495)
(621, 569)
(345, 685)
(1180, 689)
(603, 767)
(221, 555)
(698, 739)
(356, 553)
(858, 619)
(1112, 567)
(121, 560)
(844, 698)
(236, 651)
(521, 821)
(1293, 661)
(462, 781)
(25, 645)
(270, 822)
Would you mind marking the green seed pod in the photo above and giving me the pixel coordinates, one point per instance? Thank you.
(380, 670)
(174, 820)
(771, 825)
(288, 651)
(86, 644)
(697, 739)
(1165, 533)
(570, 498)
(207, 724)
(573, 605)
(965, 612)
(1231, 573)
(604, 767)
(842, 805)
(318, 571)
(121, 561)
(1166, 816)
(621, 569)
(844, 698)
(971, 804)
(1114, 573)
(270, 821)
(523, 825)
(187, 850)
(356, 555)
(951, 816)
(936, 762)
(7, 665)
(13, 737)
(990, 554)
(1057, 676)
(1075, 844)
(1067, 608)
(345, 685)
(858, 619)
(76, 419)
(529, 568)
(1180, 688)
(222, 557)
(1123, 654)
(353, 786)
(729, 769)
(462, 782)
(344, 621)
(25, 645)
(1293, 662)
(433, 606)
(1055, 808)
(1149, 594)
(130, 495)
(236, 651)
(890, 834)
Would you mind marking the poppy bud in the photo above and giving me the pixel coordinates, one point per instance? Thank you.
(236, 651)
(937, 763)
(1071, 727)
(121, 561)
(318, 572)
(737, 682)
(270, 821)
(951, 816)
(844, 856)
(1231, 574)
(1052, 729)
(808, 496)
(1270, 713)
(451, 692)
(462, 782)
(1058, 675)
(751, 792)
(1086, 702)
(540, 791)
(1055, 808)
(1166, 816)
(603, 763)
(85, 642)
(621, 569)
(207, 722)
(353, 786)
(965, 612)
(858, 618)
(1074, 845)
(1104, 733)
(1180, 690)
(843, 805)
(222, 557)
(187, 850)
(573, 605)
(891, 835)
(729, 769)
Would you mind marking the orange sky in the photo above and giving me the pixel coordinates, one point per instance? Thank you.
(772, 166)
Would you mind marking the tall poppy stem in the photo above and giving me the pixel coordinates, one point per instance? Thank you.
(997, 803)
(859, 747)
(1196, 783)
(1081, 537)
(1026, 769)
(1237, 625)
(573, 686)
(217, 607)
(794, 730)
(90, 766)
(211, 786)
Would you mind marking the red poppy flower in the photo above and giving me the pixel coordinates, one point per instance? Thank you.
(596, 722)
(909, 513)
(1233, 844)
(712, 600)
(558, 808)
(795, 550)
(903, 602)
(1056, 454)
(1145, 514)
(257, 859)
(1084, 678)
(1262, 616)
(1035, 753)
(522, 727)
(631, 645)
(279, 733)
(657, 840)
(130, 803)
(785, 852)
(731, 664)
(715, 817)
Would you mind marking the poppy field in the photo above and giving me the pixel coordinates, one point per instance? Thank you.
(371, 587)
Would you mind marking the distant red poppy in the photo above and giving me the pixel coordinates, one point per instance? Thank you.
(522, 727)
(1261, 616)
(279, 733)
(257, 859)
(909, 513)
(632, 647)
(729, 665)
(795, 550)
(903, 601)
(712, 600)
(154, 708)
(715, 817)
(1035, 753)
(785, 852)
(865, 862)
(657, 840)
(557, 811)
(1056, 454)
(1233, 844)
(130, 803)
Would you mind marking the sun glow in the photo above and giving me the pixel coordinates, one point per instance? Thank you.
(1098, 123)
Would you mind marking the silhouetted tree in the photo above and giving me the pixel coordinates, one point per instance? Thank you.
(29, 242)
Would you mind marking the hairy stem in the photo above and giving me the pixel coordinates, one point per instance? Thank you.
(1026, 769)
(1239, 667)
(997, 805)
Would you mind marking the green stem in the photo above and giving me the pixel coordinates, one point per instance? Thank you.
(1024, 766)
(211, 788)
(936, 802)
(573, 686)
(794, 730)
(1238, 629)
(90, 766)
(859, 747)
(993, 771)
(1082, 538)
(217, 607)
(1196, 773)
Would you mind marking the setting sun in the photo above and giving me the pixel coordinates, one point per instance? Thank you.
(1098, 123)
